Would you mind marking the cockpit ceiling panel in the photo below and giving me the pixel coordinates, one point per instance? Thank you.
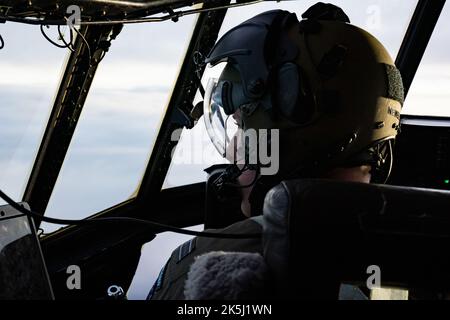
(90, 8)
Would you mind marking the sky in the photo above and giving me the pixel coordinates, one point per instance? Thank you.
(122, 114)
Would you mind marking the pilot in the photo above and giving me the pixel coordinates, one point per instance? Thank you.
(324, 95)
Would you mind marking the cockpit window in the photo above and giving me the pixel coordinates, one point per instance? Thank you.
(30, 72)
(120, 120)
(429, 94)
(388, 20)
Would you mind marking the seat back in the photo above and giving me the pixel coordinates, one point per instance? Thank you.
(320, 233)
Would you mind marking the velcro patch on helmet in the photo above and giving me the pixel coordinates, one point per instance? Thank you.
(394, 84)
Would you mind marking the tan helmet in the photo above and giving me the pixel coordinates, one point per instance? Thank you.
(330, 87)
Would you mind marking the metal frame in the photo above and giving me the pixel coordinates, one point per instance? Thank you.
(101, 9)
(67, 107)
(415, 42)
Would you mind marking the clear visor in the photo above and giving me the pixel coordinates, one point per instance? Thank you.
(225, 131)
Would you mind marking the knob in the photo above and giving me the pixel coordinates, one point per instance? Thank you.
(116, 292)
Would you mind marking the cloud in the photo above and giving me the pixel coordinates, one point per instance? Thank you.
(429, 93)
(30, 75)
(13, 178)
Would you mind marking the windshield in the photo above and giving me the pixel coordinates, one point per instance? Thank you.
(114, 136)
(30, 72)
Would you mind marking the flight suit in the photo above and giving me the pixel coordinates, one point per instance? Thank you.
(170, 282)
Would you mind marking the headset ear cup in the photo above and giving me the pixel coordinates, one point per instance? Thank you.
(287, 89)
(293, 94)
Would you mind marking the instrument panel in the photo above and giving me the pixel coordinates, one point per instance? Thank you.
(422, 153)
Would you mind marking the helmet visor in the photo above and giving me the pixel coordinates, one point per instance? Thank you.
(223, 129)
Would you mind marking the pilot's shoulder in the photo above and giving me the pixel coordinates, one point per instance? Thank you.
(199, 245)
(247, 226)
(170, 283)
(250, 225)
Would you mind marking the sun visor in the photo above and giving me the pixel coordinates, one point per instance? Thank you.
(255, 46)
